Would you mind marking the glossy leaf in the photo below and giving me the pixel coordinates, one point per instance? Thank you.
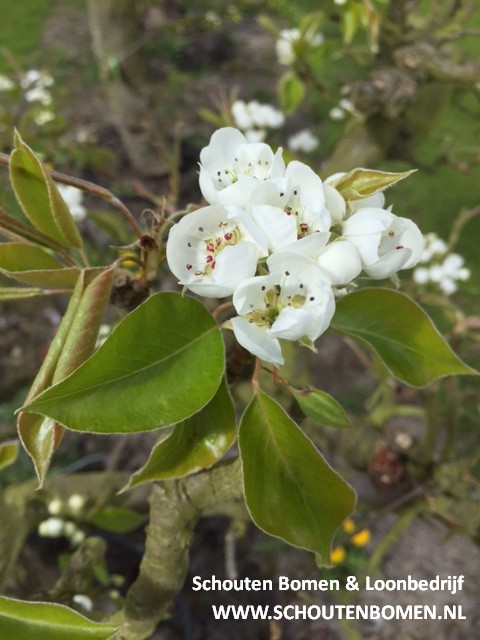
(321, 407)
(39, 197)
(8, 453)
(400, 333)
(35, 266)
(73, 343)
(194, 444)
(360, 183)
(117, 519)
(48, 621)
(161, 364)
(290, 490)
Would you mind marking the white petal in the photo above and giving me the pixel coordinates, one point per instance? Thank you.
(257, 340)
(388, 264)
(279, 228)
(335, 203)
(341, 261)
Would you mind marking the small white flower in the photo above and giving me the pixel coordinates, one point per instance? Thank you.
(421, 275)
(304, 141)
(255, 135)
(385, 242)
(336, 113)
(295, 301)
(84, 601)
(73, 199)
(6, 84)
(76, 503)
(231, 167)
(55, 507)
(213, 249)
(284, 45)
(43, 117)
(241, 114)
(51, 528)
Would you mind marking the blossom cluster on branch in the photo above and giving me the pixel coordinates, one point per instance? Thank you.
(281, 242)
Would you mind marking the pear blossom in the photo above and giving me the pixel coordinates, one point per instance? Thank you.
(6, 83)
(444, 271)
(213, 249)
(294, 302)
(303, 140)
(231, 167)
(74, 200)
(386, 243)
(285, 45)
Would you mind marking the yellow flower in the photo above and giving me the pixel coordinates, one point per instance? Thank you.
(349, 525)
(362, 538)
(337, 555)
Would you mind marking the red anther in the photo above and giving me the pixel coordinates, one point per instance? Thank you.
(304, 227)
(209, 259)
(228, 236)
(210, 247)
(189, 266)
(399, 247)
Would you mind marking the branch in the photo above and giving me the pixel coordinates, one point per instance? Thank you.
(175, 508)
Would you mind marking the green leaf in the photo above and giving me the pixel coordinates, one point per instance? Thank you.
(39, 197)
(400, 333)
(194, 444)
(161, 364)
(47, 621)
(292, 92)
(8, 453)
(35, 266)
(290, 491)
(321, 407)
(360, 183)
(73, 344)
(117, 519)
(23, 230)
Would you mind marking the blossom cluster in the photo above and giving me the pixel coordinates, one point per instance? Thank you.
(288, 40)
(254, 118)
(439, 267)
(35, 86)
(281, 242)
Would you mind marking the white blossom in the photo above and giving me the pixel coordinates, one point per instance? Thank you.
(83, 601)
(76, 503)
(51, 528)
(43, 117)
(303, 140)
(231, 167)
(55, 507)
(336, 113)
(386, 243)
(442, 269)
(74, 200)
(294, 302)
(285, 45)
(6, 84)
(212, 250)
